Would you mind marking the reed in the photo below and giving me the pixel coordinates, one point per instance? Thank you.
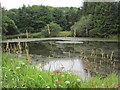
(14, 48)
(19, 46)
(7, 47)
(26, 49)
(114, 64)
(87, 64)
(81, 52)
(111, 56)
(74, 33)
(48, 28)
(27, 35)
(102, 54)
(94, 58)
(14, 71)
(28, 57)
(100, 62)
(92, 53)
(107, 56)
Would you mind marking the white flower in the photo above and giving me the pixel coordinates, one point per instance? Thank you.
(17, 67)
(67, 82)
(60, 86)
(78, 80)
(47, 87)
(102, 84)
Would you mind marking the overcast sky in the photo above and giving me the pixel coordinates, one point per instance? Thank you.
(9, 4)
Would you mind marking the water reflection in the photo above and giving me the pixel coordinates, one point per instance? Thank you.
(73, 65)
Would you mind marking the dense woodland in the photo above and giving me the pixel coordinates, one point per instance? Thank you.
(93, 19)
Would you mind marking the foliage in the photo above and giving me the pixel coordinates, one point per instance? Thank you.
(34, 18)
(83, 26)
(51, 30)
(8, 25)
(105, 21)
(17, 73)
(65, 34)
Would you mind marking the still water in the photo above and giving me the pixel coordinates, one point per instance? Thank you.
(69, 53)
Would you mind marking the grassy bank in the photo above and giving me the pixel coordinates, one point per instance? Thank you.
(61, 34)
(36, 35)
(17, 73)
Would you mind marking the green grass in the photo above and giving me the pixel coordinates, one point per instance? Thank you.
(17, 73)
(65, 34)
(23, 35)
(36, 35)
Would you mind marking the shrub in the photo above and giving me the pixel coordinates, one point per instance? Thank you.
(51, 30)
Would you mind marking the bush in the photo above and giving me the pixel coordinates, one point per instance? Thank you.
(51, 30)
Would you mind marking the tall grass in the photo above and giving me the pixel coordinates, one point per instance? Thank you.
(17, 73)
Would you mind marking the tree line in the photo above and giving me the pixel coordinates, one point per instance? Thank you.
(94, 19)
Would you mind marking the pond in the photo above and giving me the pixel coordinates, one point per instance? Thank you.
(74, 54)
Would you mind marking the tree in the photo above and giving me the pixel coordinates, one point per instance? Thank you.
(8, 25)
(104, 17)
(59, 17)
(83, 26)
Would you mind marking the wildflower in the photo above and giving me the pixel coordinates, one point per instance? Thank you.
(67, 82)
(78, 80)
(5, 76)
(47, 87)
(60, 86)
(56, 80)
(17, 67)
(52, 75)
(102, 84)
(62, 75)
